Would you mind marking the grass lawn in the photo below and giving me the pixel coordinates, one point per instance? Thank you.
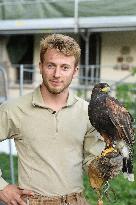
(125, 191)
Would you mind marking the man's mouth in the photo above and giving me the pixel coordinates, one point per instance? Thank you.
(55, 82)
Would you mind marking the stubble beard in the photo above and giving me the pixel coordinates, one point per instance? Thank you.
(56, 91)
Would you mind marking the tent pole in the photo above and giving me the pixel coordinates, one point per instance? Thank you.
(76, 16)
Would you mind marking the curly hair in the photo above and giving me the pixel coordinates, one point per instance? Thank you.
(62, 43)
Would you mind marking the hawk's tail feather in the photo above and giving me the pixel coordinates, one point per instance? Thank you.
(128, 169)
(124, 168)
(129, 165)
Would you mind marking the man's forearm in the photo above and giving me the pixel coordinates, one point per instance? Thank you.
(3, 183)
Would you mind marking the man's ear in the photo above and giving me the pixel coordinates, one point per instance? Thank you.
(75, 72)
(40, 67)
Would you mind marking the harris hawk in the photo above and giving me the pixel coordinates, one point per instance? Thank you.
(115, 124)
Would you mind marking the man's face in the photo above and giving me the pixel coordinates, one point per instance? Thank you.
(57, 71)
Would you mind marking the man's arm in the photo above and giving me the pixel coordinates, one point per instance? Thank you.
(4, 132)
(93, 146)
(9, 194)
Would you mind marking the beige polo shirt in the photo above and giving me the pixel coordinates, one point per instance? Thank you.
(50, 146)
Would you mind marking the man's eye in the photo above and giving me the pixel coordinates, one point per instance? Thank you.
(65, 68)
(50, 66)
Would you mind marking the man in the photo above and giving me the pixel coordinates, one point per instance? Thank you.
(51, 130)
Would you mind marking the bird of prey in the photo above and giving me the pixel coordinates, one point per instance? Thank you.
(114, 123)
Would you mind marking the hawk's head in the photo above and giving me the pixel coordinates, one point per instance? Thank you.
(101, 88)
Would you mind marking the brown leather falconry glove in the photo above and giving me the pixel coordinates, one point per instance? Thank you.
(103, 168)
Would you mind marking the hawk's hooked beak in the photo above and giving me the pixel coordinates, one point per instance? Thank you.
(106, 89)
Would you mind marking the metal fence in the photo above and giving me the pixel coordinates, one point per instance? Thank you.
(3, 85)
(26, 75)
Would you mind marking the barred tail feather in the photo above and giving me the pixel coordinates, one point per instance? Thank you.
(128, 169)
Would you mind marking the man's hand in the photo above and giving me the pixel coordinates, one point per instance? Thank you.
(11, 195)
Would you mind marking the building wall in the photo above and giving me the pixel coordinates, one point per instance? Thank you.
(118, 49)
(118, 55)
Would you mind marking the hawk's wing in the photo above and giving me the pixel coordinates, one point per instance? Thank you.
(122, 120)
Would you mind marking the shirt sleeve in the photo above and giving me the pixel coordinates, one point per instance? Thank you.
(4, 124)
(4, 134)
(8, 127)
(93, 146)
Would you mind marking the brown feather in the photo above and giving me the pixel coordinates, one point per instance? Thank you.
(121, 119)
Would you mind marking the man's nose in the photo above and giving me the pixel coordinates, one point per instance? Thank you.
(57, 72)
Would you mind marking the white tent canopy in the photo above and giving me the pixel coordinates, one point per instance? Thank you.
(94, 24)
(38, 16)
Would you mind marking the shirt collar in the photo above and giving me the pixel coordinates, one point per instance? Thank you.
(72, 99)
(37, 99)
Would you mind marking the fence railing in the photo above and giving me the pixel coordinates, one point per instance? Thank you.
(26, 74)
(3, 85)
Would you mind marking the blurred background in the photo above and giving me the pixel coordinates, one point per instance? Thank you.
(106, 32)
